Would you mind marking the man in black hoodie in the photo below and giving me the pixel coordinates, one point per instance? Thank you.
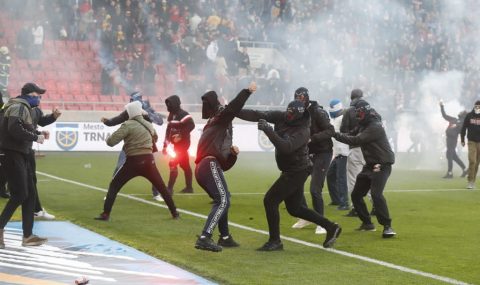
(290, 136)
(180, 124)
(320, 149)
(216, 154)
(451, 135)
(379, 157)
(17, 133)
(471, 127)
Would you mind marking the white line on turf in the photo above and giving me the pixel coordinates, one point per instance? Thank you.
(340, 252)
(326, 193)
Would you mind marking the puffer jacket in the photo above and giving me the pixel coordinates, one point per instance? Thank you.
(17, 131)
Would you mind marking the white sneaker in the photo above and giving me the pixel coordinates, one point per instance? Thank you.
(158, 198)
(320, 231)
(471, 185)
(43, 215)
(301, 224)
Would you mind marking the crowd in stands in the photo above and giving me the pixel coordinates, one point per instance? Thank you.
(384, 48)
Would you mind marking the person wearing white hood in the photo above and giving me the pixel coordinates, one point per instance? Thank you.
(139, 138)
(337, 172)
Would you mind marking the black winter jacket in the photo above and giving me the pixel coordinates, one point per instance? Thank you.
(472, 124)
(216, 138)
(372, 139)
(290, 141)
(321, 131)
(180, 122)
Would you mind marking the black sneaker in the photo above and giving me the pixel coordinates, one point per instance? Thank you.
(271, 246)
(332, 235)
(103, 217)
(366, 228)
(186, 190)
(448, 175)
(352, 213)
(176, 215)
(373, 212)
(206, 243)
(465, 172)
(228, 242)
(388, 232)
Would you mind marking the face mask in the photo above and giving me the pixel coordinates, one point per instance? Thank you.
(477, 111)
(33, 101)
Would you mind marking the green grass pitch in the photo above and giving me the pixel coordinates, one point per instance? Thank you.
(437, 222)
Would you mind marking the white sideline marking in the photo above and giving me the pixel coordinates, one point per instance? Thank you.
(326, 193)
(340, 252)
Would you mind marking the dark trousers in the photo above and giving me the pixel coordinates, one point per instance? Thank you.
(138, 165)
(321, 162)
(210, 177)
(22, 189)
(289, 188)
(181, 159)
(337, 181)
(33, 163)
(367, 180)
(122, 157)
(453, 156)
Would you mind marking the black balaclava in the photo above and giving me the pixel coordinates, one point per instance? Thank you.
(173, 104)
(301, 94)
(210, 104)
(362, 109)
(295, 112)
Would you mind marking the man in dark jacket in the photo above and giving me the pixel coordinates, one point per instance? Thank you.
(16, 135)
(320, 149)
(471, 127)
(216, 154)
(150, 115)
(180, 125)
(290, 136)
(379, 157)
(451, 135)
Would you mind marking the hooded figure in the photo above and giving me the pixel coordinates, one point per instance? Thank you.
(134, 109)
(451, 135)
(320, 150)
(301, 94)
(379, 157)
(180, 125)
(215, 154)
(210, 104)
(290, 136)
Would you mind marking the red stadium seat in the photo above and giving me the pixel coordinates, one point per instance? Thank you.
(105, 98)
(87, 87)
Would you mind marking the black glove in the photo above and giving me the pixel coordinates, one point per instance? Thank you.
(264, 125)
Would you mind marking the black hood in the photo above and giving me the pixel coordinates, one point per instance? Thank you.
(173, 104)
(295, 113)
(210, 104)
